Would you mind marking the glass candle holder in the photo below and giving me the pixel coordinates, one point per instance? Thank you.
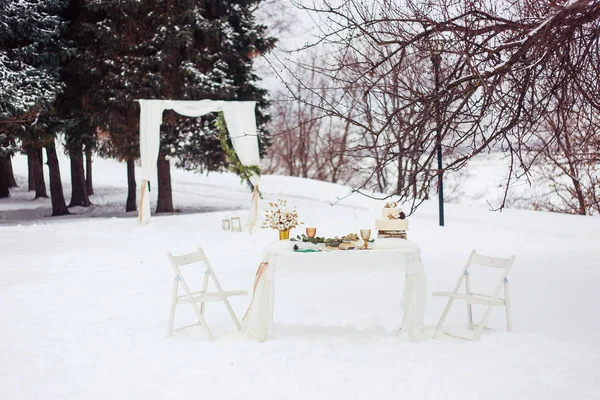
(311, 232)
(236, 224)
(226, 225)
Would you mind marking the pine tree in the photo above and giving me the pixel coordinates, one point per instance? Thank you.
(29, 31)
(73, 120)
(30, 40)
(177, 50)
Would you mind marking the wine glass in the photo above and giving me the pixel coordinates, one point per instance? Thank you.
(365, 234)
(311, 232)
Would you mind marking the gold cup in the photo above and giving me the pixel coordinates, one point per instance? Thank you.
(365, 234)
(311, 232)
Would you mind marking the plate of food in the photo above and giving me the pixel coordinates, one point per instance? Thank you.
(350, 241)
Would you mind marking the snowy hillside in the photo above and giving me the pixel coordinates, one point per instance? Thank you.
(85, 302)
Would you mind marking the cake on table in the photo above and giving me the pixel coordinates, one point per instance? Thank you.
(393, 223)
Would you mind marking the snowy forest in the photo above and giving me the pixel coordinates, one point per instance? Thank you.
(73, 70)
(387, 97)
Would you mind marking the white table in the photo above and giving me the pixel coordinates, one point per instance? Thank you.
(396, 253)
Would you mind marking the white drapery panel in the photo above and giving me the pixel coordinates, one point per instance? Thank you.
(150, 120)
(241, 124)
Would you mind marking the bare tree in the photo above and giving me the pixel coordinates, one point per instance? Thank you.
(280, 16)
(454, 76)
(305, 141)
(568, 152)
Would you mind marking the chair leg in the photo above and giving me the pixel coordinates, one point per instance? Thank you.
(470, 313)
(206, 329)
(232, 314)
(173, 305)
(469, 308)
(202, 321)
(204, 289)
(507, 306)
(445, 313)
(479, 329)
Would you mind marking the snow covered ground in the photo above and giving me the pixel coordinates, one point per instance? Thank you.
(85, 302)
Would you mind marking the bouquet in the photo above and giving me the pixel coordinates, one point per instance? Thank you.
(279, 217)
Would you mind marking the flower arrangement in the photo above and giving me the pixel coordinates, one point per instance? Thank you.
(280, 218)
(400, 215)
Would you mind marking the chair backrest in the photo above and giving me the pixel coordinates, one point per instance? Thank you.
(197, 256)
(503, 265)
(186, 259)
(493, 262)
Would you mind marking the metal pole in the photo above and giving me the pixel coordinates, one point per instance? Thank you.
(436, 60)
(440, 181)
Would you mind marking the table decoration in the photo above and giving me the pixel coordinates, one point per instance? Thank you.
(280, 218)
(346, 246)
(226, 224)
(236, 224)
(366, 235)
(350, 241)
(393, 224)
(299, 250)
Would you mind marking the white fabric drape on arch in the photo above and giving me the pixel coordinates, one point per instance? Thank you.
(241, 124)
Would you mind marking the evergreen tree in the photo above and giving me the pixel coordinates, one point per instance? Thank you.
(30, 51)
(74, 122)
(183, 49)
(29, 33)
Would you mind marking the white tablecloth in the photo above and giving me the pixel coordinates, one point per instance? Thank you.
(402, 254)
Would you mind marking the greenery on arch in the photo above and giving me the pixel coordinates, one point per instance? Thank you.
(234, 164)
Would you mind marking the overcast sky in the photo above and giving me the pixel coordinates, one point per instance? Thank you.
(299, 28)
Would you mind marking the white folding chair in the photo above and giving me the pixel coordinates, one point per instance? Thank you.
(200, 297)
(476, 298)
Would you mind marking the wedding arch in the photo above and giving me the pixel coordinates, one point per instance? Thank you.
(241, 124)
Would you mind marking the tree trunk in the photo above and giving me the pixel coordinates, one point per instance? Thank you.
(165, 196)
(574, 172)
(580, 197)
(59, 206)
(31, 179)
(4, 178)
(36, 158)
(400, 180)
(88, 171)
(79, 195)
(11, 175)
(131, 187)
